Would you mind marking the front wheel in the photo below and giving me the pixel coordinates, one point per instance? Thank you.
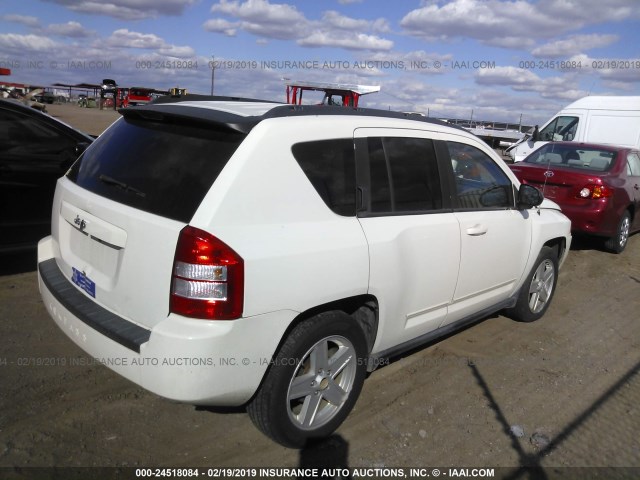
(313, 382)
(536, 293)
(618, 242)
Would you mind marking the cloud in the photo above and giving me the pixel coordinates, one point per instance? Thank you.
(127, 9)
(518, 43)
(349, 41)
(589, 12)
(177, 51)
(522, 80)
(573, 45)
(26, 20)
(613, 70)
(417, 61)
(69, 29)
(511, 23)
(219, 25)
(12, 42)
(285, 22)
(124, 38)
(128, 39)
(280, 21)
(486, 21)
(334, 20)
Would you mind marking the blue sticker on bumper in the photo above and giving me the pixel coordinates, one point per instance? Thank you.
(84, 282)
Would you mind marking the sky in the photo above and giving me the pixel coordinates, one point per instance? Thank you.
(502, 60)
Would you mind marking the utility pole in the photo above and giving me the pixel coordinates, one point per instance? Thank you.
(213, 70)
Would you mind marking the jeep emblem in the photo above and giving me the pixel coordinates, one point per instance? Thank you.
(80, 223)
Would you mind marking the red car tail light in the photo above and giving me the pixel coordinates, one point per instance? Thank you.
(208, 278)
(594, 191)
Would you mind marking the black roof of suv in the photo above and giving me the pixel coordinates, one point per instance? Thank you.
(163, 109)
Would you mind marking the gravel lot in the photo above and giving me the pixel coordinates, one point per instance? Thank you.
(561, 392)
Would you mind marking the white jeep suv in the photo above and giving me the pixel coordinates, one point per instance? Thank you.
(229, 251)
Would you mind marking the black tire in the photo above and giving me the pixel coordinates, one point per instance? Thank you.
(538, 289)
(618, 242)
(294, 405)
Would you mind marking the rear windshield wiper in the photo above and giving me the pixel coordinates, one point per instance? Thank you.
(116, 183)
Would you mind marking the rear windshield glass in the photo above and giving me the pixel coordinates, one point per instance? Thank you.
(165, 169)
(576, 157)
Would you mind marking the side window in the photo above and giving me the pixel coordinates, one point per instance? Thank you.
(25, 135)
(480, 183)
(562, 128)
(633, 165)
(330, 167)
(404, 175)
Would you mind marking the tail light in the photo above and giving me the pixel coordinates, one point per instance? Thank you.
(594, 191)
(208, 277)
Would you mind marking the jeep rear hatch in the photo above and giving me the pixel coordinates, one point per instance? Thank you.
(119, 211)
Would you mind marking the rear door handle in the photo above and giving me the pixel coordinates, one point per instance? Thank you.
(477, 230)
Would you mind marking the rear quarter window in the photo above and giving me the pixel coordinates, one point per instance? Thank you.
(162, 168)
(330, 167)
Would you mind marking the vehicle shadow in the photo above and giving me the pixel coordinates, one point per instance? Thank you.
(331, 454)
(430, 343)
(530, 464)
(587, 242)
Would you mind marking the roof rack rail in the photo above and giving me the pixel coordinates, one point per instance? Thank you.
(191, 97)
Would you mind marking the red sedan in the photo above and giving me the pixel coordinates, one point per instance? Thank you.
(597, 186)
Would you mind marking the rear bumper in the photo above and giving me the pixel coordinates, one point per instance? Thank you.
(597, 218)
(193, 361)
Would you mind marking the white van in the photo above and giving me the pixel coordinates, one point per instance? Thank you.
(598, 119)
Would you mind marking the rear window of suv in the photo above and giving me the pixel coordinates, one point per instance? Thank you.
(162, 168)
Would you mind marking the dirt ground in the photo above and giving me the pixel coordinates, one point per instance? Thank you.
(561, 392)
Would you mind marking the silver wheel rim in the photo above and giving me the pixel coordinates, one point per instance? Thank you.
(541, 286)
(624, 232)
(321, 383)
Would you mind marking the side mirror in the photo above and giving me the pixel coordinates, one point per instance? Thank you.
(529, 197)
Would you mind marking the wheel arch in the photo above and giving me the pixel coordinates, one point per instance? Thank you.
(632, 212)
(558, 245)
(363, 309)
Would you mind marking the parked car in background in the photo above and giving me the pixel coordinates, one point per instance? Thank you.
(109, 87)
(597, 187)
(35, 150)
(235, 252)
(46, 97)
(137, 96)
(28, 99)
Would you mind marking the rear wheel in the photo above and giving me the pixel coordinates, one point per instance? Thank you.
(313, 382)
(618, 242)
(536, 293)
